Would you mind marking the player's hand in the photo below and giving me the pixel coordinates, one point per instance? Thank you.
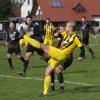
(93, 36)
(56, 34)
(6, 43)
(30, 33)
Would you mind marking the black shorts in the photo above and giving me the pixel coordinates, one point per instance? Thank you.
(14, 49)
(85, 40)
(68, 62)
(32, 49)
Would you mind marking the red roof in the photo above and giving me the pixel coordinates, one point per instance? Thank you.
(67, 13)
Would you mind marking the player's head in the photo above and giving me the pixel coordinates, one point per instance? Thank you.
(70, 26)
(29, 20)
(62, 28)
(12, 25)
(83, 18)
(47, 20)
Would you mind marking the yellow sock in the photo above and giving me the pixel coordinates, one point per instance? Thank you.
(33, 42)
(47, 81)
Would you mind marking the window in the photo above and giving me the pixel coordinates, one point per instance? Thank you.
(56, 4)
(79, 8)
(28, 2)
(1, 27)
(95, 23)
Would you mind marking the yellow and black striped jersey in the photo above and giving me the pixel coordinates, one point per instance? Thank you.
(63, 34)
(49, 30)
(71, 40)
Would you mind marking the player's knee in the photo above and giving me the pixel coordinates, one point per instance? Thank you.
(8, 56)
(48, 71)
(27, 56)
(57, 70)
(18, 56)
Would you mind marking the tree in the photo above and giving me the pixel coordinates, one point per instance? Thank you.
(5, 9)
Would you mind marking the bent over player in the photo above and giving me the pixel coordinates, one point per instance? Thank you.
(58, 55)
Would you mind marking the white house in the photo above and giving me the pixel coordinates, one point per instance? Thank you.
(26, 8)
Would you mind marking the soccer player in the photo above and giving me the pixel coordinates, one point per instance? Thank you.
(35, 32)
(61, 67)
(49, 32)
(86, 27)
(58, 55)
(13, 44)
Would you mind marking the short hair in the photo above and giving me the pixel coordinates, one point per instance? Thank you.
(11, 22)
(48, 19)
(29, 17)
(72, 24)
(83, 17)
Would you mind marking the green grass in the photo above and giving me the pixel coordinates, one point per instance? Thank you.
(87, 72)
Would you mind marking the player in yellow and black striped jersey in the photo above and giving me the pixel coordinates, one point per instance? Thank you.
(69, 43)
(49, 29)
(60, 67)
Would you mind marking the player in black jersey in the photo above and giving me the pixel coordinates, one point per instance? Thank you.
(13, 44)
(86, 28)
(35, 32)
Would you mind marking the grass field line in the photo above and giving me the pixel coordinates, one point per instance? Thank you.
(39, 79)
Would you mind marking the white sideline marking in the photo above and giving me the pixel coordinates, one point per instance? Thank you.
(30, 78)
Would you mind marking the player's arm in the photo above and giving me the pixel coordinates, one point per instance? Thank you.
(92, 31)
(7, 38)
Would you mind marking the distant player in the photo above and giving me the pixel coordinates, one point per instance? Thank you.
(13, 44)
(49, 32)
(86, 28)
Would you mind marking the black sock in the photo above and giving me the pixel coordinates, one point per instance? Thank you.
(60, 79)
(22, 59)
(10, 62)
(90, 50)
(25, 65)
(52, 79)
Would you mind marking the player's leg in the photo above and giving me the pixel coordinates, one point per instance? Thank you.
(22, 42)
(27, 57)
(47, 80)
(46, 42)
(25, 63)
(91, 51)
(86, 42)
(52, 81)
(50, 42)
(9, 54)
(51, 51)
(59, 69)
(51, 66)
(28, 54)
(18, 52)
